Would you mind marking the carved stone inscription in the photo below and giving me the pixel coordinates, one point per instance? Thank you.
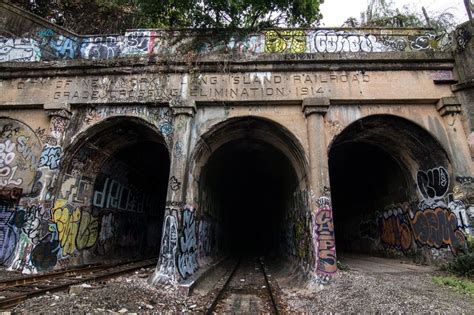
(257, 86)
(267, 85)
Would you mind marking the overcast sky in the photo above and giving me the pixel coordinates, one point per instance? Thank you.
(336, 12)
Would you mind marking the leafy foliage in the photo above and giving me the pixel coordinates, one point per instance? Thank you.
(383, 13)
(463, 265)
(107, 16)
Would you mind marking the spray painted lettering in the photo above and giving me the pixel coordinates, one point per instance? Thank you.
(187, 258)
(50, 157)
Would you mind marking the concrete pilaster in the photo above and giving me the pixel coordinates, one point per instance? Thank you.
(50, 158)
(166, 270)
(314, 110)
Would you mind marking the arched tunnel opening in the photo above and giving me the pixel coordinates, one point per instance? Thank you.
(364, 179)
(248, 188)
(373, 167)
(252, 192)
(115, 184)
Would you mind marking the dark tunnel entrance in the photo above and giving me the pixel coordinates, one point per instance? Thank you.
(247, 187)
(373, 166)
(364, 179)
(122, 171)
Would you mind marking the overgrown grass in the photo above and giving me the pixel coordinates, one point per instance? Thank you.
(465, 286)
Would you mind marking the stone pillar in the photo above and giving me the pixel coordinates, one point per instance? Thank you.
(47, 174)
(314, 110)
(51, 155)
(462, 201)
(176, 206)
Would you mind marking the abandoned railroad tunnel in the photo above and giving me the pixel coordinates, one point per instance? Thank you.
(247, 187)
(128, 166)
(373, 167)
(299, 145)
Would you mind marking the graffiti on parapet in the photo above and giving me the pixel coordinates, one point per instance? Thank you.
(62, 47)
(102, 47)
(285, 41)
(48, 44)
(187, 257)
(461, 37)
(138, 43)
(19, 50)
(340, 41)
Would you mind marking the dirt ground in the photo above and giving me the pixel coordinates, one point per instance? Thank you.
(371, 285)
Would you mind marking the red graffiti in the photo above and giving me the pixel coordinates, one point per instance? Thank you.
(438, 228)
(327, 245)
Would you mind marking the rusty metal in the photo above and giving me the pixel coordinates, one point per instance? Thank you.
(40, 284)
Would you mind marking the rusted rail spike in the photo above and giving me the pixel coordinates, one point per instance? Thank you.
(222, 290)
(269, 286)
(117, 270)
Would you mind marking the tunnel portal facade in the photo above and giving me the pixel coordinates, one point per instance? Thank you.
(300, 146)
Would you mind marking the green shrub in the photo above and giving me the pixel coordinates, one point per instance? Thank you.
(463, 264)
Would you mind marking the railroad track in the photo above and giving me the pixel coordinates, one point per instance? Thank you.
(236, 296)
(20, 289)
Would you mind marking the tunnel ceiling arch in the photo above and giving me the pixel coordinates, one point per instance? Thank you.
(250, 127)
(407, 142)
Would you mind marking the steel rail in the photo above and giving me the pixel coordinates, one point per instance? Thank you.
(218, 296)
(269, 286)
(102, 274)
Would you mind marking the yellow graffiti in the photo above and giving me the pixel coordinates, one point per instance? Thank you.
(88, 231)
(67, 223)
(285, 42)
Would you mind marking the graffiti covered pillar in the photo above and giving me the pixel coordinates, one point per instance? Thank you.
(461, 201)
(314, 110)
(50, 158)
(34, 242)
(178, 260)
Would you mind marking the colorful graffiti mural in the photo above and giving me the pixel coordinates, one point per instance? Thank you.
(47, 44)
(395, 230)
(19, 153)
(439, 221)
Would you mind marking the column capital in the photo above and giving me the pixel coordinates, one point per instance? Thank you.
(448, 105)
(62, 110)
(183, 107)
(315, 105)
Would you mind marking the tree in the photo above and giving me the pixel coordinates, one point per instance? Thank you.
(382, 13)
(106, 16)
